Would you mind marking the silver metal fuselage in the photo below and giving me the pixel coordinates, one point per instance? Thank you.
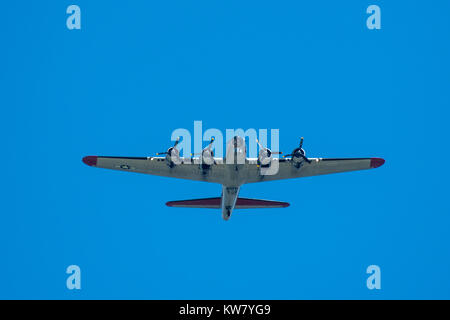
(235, 159)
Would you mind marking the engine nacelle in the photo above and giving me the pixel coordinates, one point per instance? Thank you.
(173, 157)
(298, 157)
(207, 158)
(264, 157)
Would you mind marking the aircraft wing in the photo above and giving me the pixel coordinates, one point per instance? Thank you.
(318, 166)
(217, 173)
(216, 203)
(157, 166)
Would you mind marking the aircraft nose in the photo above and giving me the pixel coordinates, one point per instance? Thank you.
(90, 160)
(238, 141)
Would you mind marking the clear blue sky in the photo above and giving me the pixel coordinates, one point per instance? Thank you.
(138, 70)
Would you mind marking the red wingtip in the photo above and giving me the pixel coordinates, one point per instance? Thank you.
(169, 203)
(376, 162)
(90, 160)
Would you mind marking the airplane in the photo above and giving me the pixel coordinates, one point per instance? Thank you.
(232, 171)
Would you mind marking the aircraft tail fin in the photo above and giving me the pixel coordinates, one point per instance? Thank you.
(215, 203)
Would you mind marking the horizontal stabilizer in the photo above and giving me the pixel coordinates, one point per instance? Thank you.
(215, 203)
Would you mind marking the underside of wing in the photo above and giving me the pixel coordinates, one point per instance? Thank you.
(218, 173)
(215, 203)
(285, 168)
(157, 166)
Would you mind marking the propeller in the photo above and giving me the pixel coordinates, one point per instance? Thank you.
(176, 142)
(170, 149)
(261, 147)
(208, 147)
(298, 152)
(210, 143)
